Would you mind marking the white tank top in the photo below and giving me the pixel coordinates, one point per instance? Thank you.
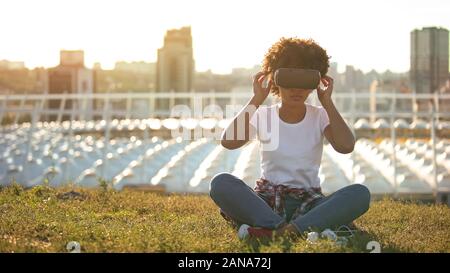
(290, 152)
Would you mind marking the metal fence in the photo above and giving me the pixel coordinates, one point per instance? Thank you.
(351, 105)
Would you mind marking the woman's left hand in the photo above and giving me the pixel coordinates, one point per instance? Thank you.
(325, 94)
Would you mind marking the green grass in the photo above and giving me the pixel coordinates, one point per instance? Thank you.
(41, 219)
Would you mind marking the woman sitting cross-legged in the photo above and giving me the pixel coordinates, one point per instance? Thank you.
(287, 199)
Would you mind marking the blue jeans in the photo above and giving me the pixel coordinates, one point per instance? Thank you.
(243, 205)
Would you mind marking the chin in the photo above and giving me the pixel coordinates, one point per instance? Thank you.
(296, 102)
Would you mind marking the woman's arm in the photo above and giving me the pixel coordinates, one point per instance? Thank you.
(239, 132)
(337, 132)
(234, 136)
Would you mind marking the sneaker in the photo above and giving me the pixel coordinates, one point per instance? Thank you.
(312, 237)
(246, 231)
(243, 231)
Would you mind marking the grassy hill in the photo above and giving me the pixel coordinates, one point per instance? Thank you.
(44, 219)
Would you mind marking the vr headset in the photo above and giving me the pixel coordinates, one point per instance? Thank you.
(297, 78)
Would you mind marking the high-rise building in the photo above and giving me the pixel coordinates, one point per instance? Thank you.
(175, 66)
(136, 67)
(353, 78)
(71, 76)
(429, 59)
(5, 64)
(333, 73)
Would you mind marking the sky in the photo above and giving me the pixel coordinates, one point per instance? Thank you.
(226, 34)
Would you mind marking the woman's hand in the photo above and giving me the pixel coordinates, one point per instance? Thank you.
(325, 94)
(235, 136)
(260, 93)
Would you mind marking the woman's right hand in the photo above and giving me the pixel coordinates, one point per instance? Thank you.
(260, 93)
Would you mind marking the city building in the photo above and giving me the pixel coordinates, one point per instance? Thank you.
(5, 64)
(429, 69)
(71, 76)
(136, 67)
(429, 59)
(175, 65)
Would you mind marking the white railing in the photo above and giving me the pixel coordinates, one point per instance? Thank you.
(145, 105)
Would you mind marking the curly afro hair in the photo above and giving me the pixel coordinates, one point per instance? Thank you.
(294, 53)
